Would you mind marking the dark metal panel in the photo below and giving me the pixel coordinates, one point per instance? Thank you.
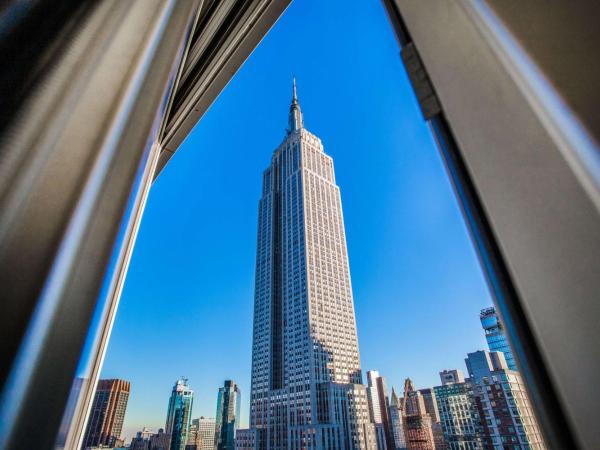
(515, 119)
(227, 33)
(76, 164)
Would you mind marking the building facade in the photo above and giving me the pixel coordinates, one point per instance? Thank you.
(245, 439)
(503, 404)
(397, 422)
(202, 434)
(307, 389)
(147, 440)
(458, 411)
(432, 409)
(379, 409)
(179, 414)
(106, 417)
(418, 429)
(495, 335)
(228, 415)
(159, 441)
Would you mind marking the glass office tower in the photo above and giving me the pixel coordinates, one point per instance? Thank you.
(495, 336)
(307, 389)
(228, 415)
(179, 414)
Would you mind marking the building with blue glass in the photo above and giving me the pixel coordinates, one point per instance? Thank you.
(495, 336)
(228, 415)
(179, 414)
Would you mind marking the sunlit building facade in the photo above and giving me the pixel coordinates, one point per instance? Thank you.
(179, 414)
(458, 411)
(418, 423)
(503, 403)
(203, 435)
(378, 409)
(106, 417)
(307, 390)
(397, 422)
(432, 409)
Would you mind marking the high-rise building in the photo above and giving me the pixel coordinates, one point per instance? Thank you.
(307, 386)
(397, 422)
(179, 414)
(228, 415)
(495, 335)
(418, 423)
(107, 414)
(459, 415)
(245, 439)
(202, 434)
(432, 409)
(192, 436)
(378, 408)
(503, 404)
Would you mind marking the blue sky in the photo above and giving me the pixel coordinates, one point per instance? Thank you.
(186, 308)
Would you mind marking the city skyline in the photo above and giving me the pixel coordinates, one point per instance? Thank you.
(422, 242)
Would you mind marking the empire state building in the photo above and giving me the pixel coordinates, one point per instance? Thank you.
(307, 390)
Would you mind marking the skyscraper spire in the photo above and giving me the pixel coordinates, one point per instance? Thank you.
(295, 96)
(295, 121)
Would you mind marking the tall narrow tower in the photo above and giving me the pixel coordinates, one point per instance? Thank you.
(228, 415)
(179, 414)
(307, 387)
(107, 414)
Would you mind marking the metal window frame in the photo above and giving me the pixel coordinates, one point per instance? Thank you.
(525, 169)
(86, 104)
(72, 190)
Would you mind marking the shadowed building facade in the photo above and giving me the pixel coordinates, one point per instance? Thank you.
(228, 415)
(307, 389)
(107, 414)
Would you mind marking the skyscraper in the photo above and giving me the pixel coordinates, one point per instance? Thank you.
(397, 422)
(228, 415)
(378, 406)
(307, 386)
(503, 403)
(205, 433)
(179, 414)
(432, 409)
(495, 335)
(107, 414)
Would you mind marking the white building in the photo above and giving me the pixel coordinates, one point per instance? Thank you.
(307, 389)
(204, 436)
